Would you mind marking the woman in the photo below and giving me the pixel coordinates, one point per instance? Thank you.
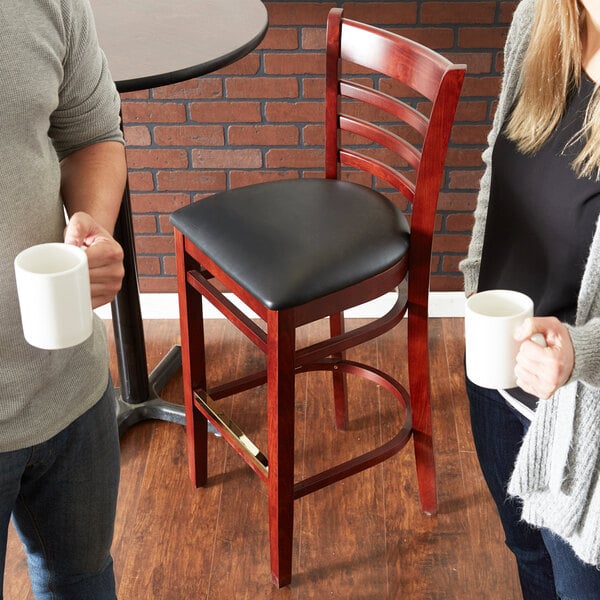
(536, 232)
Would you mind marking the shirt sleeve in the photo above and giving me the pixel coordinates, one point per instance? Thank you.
(89, 104)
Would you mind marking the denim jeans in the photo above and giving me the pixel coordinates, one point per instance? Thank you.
(548, 567)
(62, 495)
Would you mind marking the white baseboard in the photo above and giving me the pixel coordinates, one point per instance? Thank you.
(164, 306)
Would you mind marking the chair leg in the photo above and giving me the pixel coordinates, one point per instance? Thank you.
(280, 399)
(418, 374)
(193, 367)
(196, 423)
(340, 394)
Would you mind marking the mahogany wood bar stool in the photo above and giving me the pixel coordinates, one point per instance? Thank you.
(297, 251)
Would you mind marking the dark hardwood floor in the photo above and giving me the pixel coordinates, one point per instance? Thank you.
(363, 538)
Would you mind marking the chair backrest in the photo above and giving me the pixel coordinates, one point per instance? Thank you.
(410, 136)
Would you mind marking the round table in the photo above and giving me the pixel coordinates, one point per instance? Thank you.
(148, 44)
(151, 43)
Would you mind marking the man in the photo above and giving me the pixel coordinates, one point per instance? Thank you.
(61, 151)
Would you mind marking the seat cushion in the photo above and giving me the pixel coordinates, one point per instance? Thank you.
(289, 242)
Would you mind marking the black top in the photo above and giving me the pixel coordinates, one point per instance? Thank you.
(541, 218)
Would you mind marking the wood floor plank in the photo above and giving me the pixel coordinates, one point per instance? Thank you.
(420, 543)
(338, 519)
(168, 504)
(485, 536)
(241, 549)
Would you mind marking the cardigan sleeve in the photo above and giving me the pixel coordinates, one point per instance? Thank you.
(585, 334)
(586, 344)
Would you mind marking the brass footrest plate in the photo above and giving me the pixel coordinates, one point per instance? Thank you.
(233, 433)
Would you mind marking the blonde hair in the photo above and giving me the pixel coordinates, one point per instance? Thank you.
(551, 72)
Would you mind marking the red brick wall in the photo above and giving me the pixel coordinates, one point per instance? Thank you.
(259, 119)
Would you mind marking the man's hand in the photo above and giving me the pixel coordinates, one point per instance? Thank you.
(541, 371)
(105, 256)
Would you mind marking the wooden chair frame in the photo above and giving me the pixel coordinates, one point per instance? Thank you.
(437, 79)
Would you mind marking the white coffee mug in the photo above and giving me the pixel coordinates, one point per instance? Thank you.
(53, 285)
(491, 318)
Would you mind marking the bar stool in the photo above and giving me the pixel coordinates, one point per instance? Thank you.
(297, 251)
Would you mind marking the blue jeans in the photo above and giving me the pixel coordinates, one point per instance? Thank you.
(548, 567)
(62, 495)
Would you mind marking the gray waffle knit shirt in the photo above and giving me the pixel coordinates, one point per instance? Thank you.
(56, 96)
(557, 472)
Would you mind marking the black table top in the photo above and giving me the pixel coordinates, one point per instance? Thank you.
(150, 43)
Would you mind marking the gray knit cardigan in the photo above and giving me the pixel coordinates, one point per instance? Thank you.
(557, 471)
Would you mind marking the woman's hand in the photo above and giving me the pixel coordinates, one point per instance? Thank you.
(542, 370)
(105, 256)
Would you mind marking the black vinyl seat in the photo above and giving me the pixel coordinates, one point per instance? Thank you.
(292, 241)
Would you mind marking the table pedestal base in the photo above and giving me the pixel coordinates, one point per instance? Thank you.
(129, 413)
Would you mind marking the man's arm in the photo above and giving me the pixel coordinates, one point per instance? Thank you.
(92, 183)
